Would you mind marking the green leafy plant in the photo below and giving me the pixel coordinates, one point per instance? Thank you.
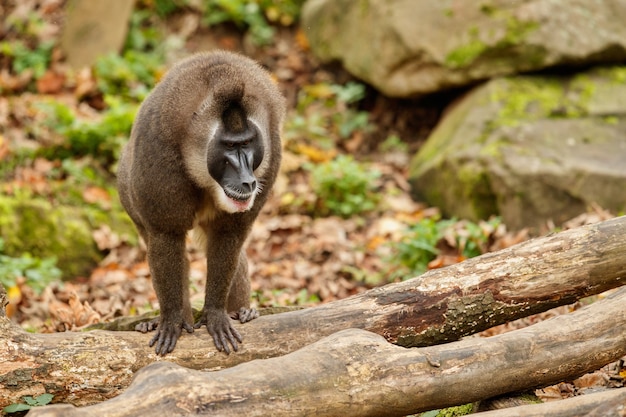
(246, 14)
(37, 272)
(130, 76)
(326, 111)
(29, 402)
(143, 34)
(24, 58)
(344, 187)
(393, 143)
(255, 16)
(101, 139)
(421, 243)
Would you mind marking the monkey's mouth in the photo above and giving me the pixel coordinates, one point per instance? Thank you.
(238, 196)
(241, 201)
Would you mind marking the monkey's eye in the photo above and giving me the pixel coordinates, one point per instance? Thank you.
(246, 143)
(229, 145)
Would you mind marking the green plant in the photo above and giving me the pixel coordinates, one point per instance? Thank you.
(421, 243)
(37, 272)
(24, 58)
(419, 246)
(326, 111)
(472, 238)
(29, 402)
(134, 73)
(344, 187)
(102, 139)
(393, 143)
(143, 34)
(130, 76)
(243, 13)
(252, 15)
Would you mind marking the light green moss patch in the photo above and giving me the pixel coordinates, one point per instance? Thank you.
(30, 224)
(481, 43)
(525, 98)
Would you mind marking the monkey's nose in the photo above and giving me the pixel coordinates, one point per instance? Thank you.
(249, 186)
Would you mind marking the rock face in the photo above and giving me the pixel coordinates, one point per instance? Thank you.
(411, 47)
(530, 149)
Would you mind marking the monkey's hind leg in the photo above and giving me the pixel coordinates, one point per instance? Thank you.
(238, 305)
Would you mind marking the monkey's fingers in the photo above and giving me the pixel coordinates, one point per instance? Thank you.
(165, 340)
(225, 336)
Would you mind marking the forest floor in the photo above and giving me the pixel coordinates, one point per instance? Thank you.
(296, 256)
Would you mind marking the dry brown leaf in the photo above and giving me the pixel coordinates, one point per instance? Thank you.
(50, 82)
(97, 195)
(594, 379)
(82, 313)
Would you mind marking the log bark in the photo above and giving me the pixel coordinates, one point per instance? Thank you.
(355, 372)
(439, 306)
(602, 404)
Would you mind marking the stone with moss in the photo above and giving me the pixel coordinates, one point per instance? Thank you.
(412, 47)
(34, 225)
(529, 148)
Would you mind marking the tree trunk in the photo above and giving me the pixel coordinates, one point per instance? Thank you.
(440, 306)
(355, 372)
(602, 404)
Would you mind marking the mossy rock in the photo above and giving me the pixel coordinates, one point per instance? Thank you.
(34, 225)
(408, 48)
(529, 148)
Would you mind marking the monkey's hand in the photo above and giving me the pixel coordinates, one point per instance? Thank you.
(167, 333)
(221, 328)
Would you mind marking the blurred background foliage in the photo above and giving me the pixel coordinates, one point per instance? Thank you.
(78, 121)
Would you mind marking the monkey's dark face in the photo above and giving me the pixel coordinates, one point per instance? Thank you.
(225, 153)
(232, 159)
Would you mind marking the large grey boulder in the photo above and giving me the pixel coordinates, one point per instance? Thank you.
(531, 148)
(411, 47)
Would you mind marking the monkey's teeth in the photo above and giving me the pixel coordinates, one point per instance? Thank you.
(241, 204)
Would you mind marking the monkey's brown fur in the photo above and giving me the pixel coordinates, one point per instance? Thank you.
(166, 188)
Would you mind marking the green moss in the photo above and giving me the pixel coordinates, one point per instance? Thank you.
(616, 74)
(466, 54)
(460, 410)
(488, 9)
(533, 98)
(515, 32)
(34, 225)
(475, 186)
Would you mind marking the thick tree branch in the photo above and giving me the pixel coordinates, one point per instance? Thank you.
(439, 306)
(602, 404)
(354, 372)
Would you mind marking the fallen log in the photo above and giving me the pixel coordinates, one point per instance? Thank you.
(440, 306)
(355, 372)
(602, 404)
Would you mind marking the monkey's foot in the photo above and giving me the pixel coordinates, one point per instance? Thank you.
(167, 333)
(147, 326)
(220, 327)
(244, 315)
